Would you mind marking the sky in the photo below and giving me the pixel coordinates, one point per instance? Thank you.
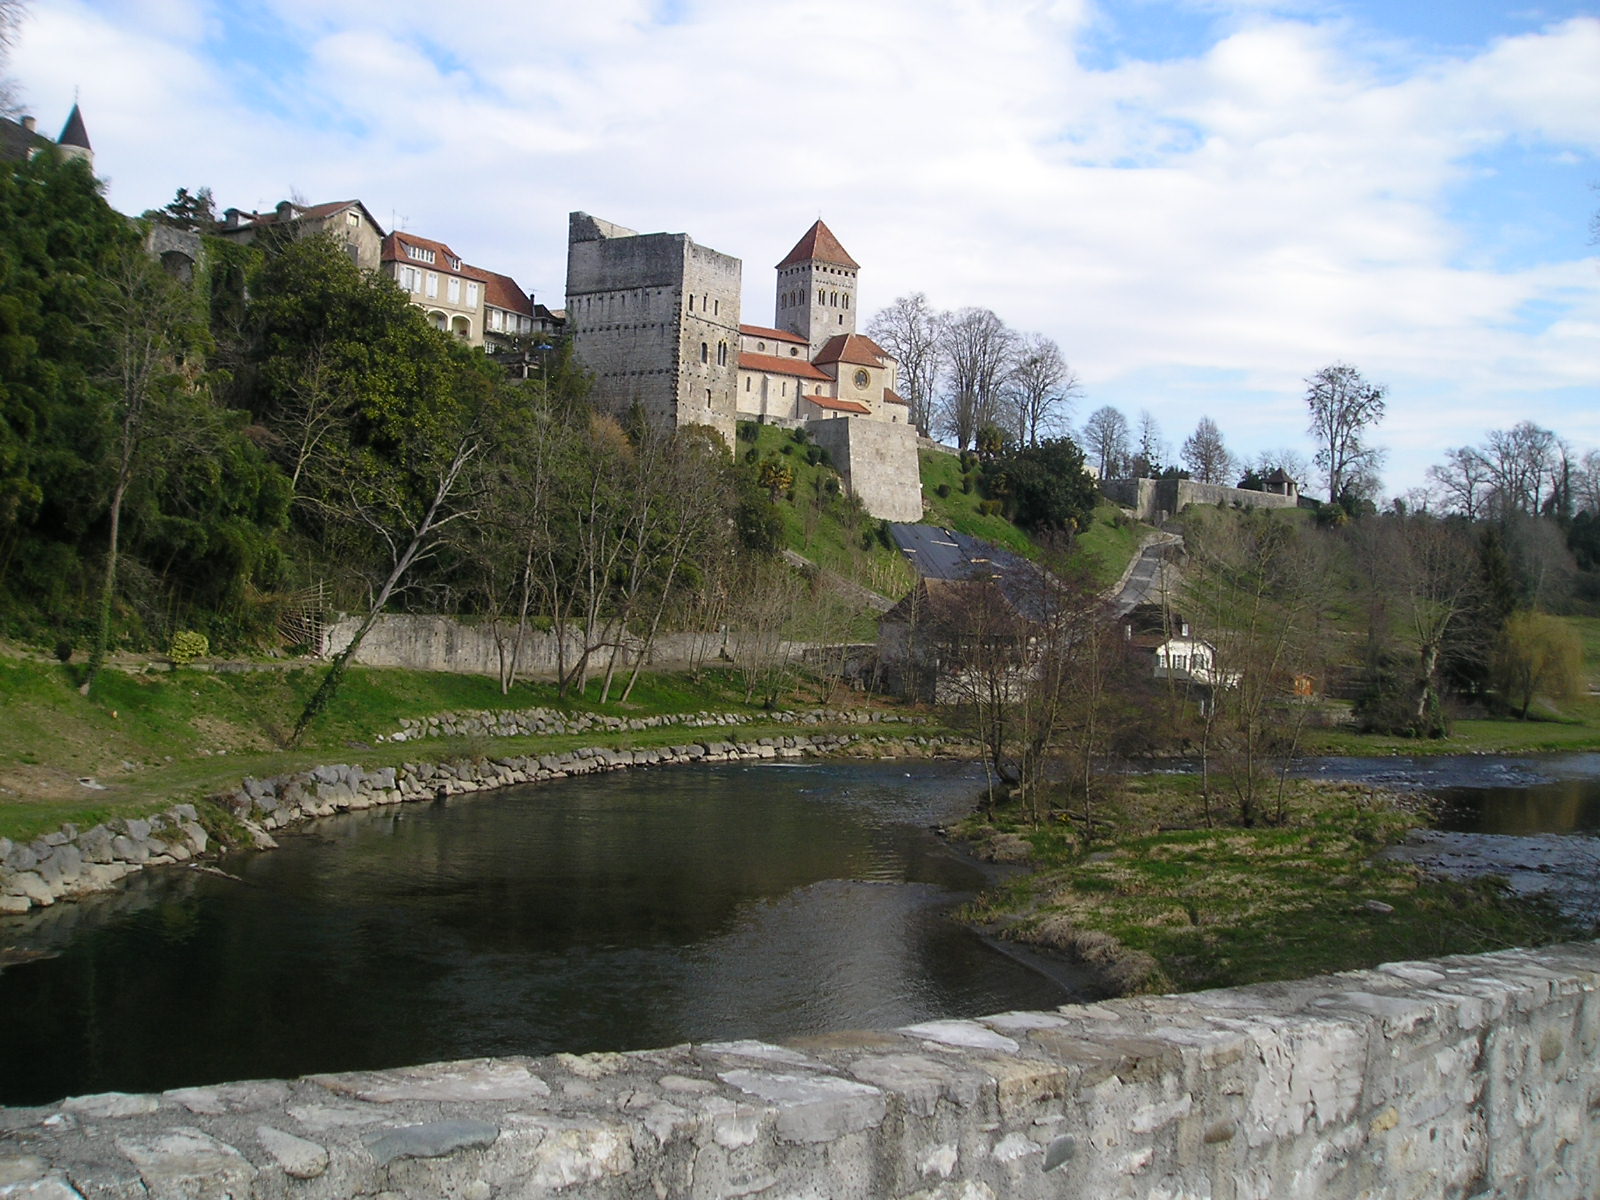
(1202, 201)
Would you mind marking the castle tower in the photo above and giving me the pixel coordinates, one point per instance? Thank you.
(655, 318)
(816, 293)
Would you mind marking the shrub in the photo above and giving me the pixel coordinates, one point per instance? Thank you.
(187, 645)
(944, 491)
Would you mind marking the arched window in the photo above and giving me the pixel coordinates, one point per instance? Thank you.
(821, 296)
(833, 299)
(705, 352)
(722, 354)
(847, 299)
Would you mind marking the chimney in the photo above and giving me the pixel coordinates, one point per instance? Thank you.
(30, 124)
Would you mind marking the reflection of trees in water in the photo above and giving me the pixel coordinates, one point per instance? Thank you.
(45, 932)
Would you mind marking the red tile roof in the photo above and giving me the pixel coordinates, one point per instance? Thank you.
(851, 348)
(394, 250)
(781, 366)
(892, 397)
(315, 212)
(837, 405)
(777, 335)
(501, 291)
(819, 245)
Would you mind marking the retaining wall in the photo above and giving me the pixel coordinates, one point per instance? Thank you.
(1154, 500)
(1472, 1076)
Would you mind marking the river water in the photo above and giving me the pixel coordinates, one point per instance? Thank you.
(1481, 793)
(622, 911)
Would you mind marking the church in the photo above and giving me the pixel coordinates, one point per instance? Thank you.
(655, 318)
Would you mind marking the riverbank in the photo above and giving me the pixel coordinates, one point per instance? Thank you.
(1161, 900)
(69, 862)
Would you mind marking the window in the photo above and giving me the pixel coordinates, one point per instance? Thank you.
(761, 346)
(472, 294)
(453, 290)
(420, 253)
(794, 352)
(433, 286)
(716, 308)
(820, 296)
(722, 354)
(847, 299)
(351, 217)
(691, 303)
(747, 383)
(705, 352)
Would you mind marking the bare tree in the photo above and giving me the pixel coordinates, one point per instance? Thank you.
(1105, 440)
(1343, 406)
(1519, 460)
(1042, 389)
(912, 332)
(1586, 484)
(11, 14)
(1150, 458)
(147, 319)
(1205, 454)
(1431, 571)
(978, 356)
(1464, 481)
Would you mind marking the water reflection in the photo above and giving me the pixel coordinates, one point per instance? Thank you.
(621, 911)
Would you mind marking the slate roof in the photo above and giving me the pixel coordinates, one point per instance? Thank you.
(73, 133)
(819, 245)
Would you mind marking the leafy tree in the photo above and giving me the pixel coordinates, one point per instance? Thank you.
(58, 239)
(1046, 487)
(1537, 655)
(195, 212)
(1343, 407)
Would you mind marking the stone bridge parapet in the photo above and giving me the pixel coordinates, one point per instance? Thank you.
(1467, 1076)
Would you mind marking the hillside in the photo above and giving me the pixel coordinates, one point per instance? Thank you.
(830, 529)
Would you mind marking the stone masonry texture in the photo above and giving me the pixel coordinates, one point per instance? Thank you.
(1461, 1077)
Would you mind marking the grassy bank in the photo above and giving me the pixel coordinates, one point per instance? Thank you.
(151, 736)
(1163, 902)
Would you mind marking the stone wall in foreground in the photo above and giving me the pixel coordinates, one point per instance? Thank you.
(1471, 1076)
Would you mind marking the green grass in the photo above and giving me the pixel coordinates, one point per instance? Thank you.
(1225, 906)
(153, 737)
(960, 510)
(1109, 543)
(822, 523)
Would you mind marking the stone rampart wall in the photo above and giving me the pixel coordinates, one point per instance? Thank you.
(437, 643)
(1154, 500)
(878, 461)
(1471, 1076)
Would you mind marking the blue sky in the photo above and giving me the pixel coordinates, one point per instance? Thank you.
(1202, 201)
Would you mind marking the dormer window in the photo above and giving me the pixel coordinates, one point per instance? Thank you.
(420, 253)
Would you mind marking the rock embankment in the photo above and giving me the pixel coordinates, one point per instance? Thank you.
(549, 722)
(71, 862)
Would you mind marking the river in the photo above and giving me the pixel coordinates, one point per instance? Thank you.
(621, 911)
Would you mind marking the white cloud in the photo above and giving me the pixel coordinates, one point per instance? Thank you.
(1200, 231)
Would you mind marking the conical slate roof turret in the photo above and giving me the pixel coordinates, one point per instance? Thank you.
(73, 132)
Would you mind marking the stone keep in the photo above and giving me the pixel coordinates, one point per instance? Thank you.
(655, 317)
